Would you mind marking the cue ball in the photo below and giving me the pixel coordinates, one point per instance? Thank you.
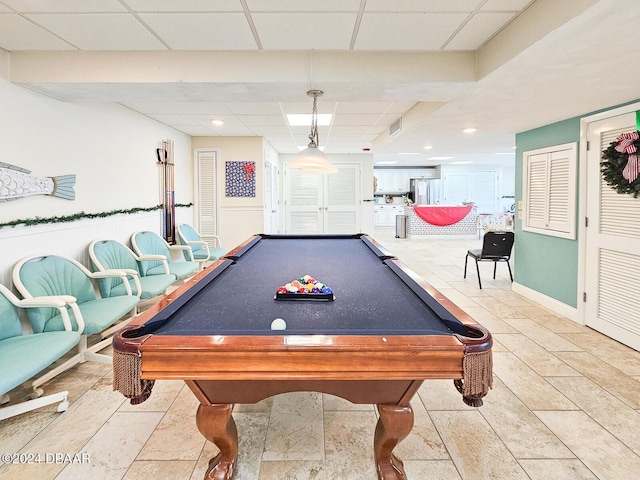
(278, 324)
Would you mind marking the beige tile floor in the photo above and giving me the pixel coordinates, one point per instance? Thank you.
(565, 405)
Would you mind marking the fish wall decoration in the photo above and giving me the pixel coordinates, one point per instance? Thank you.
(16, 182)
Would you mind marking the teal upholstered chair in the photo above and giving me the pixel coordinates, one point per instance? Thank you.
(112, 255)
(45, 275)
(157, 253)
(201, 251)
(22, 356)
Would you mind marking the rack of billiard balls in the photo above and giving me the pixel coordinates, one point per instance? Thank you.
(304, 288)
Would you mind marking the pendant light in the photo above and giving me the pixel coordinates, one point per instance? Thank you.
(311, 160)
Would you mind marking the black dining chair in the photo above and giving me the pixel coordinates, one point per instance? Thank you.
(496, 247)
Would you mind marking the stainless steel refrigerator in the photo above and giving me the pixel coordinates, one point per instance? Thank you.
(425, 191)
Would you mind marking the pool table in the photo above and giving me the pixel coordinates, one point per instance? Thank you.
(381, 333)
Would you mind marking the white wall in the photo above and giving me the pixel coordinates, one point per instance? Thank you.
(109, 148)
(4, 63)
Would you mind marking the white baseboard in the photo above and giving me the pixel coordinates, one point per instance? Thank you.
(547, 302)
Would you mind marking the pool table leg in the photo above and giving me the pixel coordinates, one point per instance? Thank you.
(217, 425)
(394, 424)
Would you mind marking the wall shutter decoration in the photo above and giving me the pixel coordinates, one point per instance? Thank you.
(550, 190)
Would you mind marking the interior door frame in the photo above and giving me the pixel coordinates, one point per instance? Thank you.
(582, 197)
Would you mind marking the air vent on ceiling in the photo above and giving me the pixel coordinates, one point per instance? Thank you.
(395, 127)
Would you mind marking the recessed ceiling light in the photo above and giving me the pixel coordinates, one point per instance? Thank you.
(304, 119)
(386, 163)
(428, 147)
(469, 130)
(461, 162)
(440, 158)
(217, 122)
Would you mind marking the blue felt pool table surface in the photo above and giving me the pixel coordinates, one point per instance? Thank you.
(373, 295)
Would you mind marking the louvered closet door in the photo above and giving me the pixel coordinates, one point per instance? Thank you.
(271, 207)
(612, 244)
(206, 205)
(323, 203)
(304, 202)
(342, 200)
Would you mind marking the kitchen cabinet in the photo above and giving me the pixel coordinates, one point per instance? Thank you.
(385, 215)
(380, 216)
(384, 180)
(396, 180)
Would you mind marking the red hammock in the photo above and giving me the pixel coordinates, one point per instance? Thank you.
(442, 216)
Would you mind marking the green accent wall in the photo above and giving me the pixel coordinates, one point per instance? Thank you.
(544, 263)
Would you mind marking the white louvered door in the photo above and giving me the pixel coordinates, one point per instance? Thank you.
(612, 244)
(323, 203)
(341, 200)
(206, 200)
(271, 193)
(304, 202)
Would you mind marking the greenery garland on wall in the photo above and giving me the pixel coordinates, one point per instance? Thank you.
(618, 157)
(82, 215)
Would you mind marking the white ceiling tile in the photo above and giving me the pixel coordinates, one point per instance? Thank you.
(65, 6)
(505, 5)
(225, 130)
(271, 130)
(175, 120)
(422, 5)
(196, 131)
(179, 107)
(17, 33)
(373, 107)
(350, 138)
(320, 31)
(99, 31)
(407, 31)
(356, 119)
(185, 6)
(350, 129)
(229, 120)
(234, 130)
(362, 107)
(261, 108)
(478, 30)
(250, 120)
(307, 130)
(205, 31)
(306, 107)
(303, 5)
(284, 139)
(284, 148)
